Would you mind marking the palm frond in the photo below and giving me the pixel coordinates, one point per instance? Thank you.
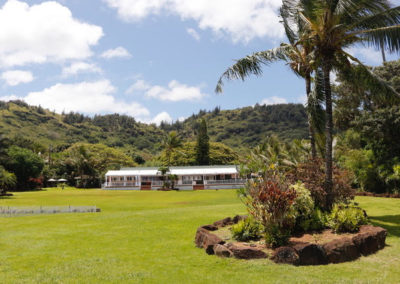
(315, 103)
(361, 74)
(252, 64)
(390, 36)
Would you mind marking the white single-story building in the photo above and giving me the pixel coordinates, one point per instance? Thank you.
(193, 177)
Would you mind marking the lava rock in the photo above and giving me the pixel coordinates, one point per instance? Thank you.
(224, 222)
(341, 250)
(370, 239)
(286, 255)
(311, 254)
(246, 252)
(222, 251)
(239, 218)
(210, 227)
(205, 239)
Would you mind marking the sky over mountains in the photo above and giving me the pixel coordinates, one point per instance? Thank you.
(152, 59)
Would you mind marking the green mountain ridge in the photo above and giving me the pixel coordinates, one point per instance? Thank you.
(238, 128)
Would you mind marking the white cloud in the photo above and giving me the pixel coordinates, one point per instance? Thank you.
(370, 56)
(80, 67)
(163, 116)
(16, 77)
(139, 85)
(118, 52)
(193, 33)
(242, 20)
(273, 101)
(42, 33)
(86, 97)
(181, 119)
(175, 91)
(9, 98)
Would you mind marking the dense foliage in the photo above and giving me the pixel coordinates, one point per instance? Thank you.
(247, 230)
(311, 173)
(239, 128)
(185, 155)
(270, 201)
(26, 165)
(368, 146)
(87, 163)
(347, 218)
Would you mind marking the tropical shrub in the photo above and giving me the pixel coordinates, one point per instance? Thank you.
(346, 219)
(317, 221)
(312, 174)
(247, 230)
(270, 202)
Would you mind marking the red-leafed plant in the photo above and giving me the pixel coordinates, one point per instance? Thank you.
(312, 175)
(270, 200)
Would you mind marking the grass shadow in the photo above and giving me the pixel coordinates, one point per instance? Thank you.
(390, 222)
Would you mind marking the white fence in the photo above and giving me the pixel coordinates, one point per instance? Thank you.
(7, 211)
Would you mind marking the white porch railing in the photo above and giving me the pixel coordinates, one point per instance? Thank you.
(226, 181)
(120, 184)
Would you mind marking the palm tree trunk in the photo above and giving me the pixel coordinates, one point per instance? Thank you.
(383, 51)
(310, 126)
(328, 129)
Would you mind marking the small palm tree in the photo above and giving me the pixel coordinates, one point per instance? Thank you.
(170, 144)
(7, 180)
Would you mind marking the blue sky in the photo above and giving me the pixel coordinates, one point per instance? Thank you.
(152, 59)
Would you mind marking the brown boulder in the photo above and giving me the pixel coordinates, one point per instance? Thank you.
(370, 239)
(286, 255)
(310, 254)
(210, 227)
(224, 222)
(222, 251)
(246, 252)
(239, 218)
(341, 250)
(205, 239)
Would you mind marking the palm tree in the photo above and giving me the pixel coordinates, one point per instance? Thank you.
(331, 27)
(300, 60)
(7, 180)
(170, 143)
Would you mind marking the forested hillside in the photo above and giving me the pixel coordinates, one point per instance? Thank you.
(244, 127)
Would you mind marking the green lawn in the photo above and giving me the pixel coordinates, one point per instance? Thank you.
(148, 237)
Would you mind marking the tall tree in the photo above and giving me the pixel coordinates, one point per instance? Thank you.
(24, 164)
(331, 27)
(170, 143)
(203, 145)
(300, 60)
(7, 180)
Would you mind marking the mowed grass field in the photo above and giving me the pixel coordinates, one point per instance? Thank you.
(147, 237)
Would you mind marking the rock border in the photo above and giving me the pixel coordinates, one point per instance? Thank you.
(368, 240)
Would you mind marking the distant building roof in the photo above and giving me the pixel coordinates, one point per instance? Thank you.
(190, 170)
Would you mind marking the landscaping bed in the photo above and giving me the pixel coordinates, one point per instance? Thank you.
(316, 248)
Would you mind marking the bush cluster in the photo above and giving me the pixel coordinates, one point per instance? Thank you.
(279, 209)
(312, 174)
(247, 230)
(270, 202)
(346, 219)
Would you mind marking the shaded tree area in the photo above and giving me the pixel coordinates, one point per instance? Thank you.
(370, 131)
